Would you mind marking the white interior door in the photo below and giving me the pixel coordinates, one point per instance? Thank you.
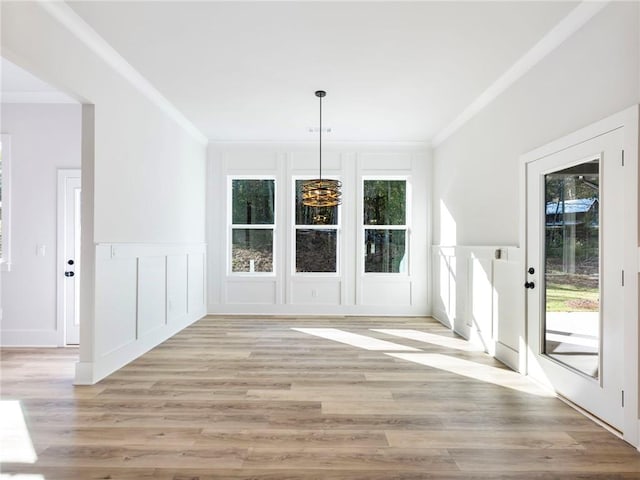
(575, 274)
(69, 218)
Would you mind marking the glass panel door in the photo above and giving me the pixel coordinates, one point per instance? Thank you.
(572, 267)
(574, 254)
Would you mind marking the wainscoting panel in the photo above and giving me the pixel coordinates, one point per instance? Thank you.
(478, 293)
(309, 161)
(316, 292)
(386, 161)
(116, 292)
(509, 306)
(152, 311)
(250, 161)
(142, 295)
(176, 287)
(480, 304)
(444, 285)
(385, 292)
(196, 281)
(251, 292)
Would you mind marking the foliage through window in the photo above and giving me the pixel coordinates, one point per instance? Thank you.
(252, 225)
(385, 226)
(316, 236)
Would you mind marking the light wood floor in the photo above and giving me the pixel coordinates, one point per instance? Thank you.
(248, 398)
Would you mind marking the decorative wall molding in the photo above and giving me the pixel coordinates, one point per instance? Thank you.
(480, 297)
(145, 293)
(350, 292)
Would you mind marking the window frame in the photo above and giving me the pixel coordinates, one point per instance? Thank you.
(406, 226)
(295, 227)
(254, 226)
(5, 148)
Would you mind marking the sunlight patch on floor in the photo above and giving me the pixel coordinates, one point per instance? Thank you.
(476, 371)
(441, 341)
(355, 340)
(15, 441)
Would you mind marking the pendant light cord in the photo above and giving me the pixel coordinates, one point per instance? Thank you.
(320, 138)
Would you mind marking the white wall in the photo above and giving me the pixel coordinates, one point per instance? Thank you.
(149, 170)
(44, 138)
(592, 75)
(476, 198)
(477, 171)
(143, 164)
(350, 292)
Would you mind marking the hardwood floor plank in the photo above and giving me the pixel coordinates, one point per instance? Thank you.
(134, 457)
(527, 439)
(512, 460)
(294, 438)
(251, 398)
(435, 460)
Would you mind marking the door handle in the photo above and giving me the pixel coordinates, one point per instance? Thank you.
(69, 274)
(530, 285)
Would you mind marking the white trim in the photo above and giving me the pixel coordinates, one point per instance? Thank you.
(408, 215)
(244, 226)
(585, 134)
(87, 35)
(295, 227)
(287, 144)
(577, 18)
(5, 146)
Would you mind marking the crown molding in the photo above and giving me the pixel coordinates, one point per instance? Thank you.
(314, 144)
(91, 39)
(577, 18)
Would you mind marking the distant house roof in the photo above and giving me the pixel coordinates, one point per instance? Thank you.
(579, 205)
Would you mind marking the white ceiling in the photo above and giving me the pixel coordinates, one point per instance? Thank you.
(393, 71)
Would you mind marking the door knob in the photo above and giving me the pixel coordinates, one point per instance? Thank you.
(69, 274)
(530, 285)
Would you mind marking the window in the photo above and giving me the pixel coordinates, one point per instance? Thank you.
(252, 225)
(5, 199)
(385, 226)
(316, 236)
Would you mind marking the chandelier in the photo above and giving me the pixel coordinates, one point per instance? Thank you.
(321, 192)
